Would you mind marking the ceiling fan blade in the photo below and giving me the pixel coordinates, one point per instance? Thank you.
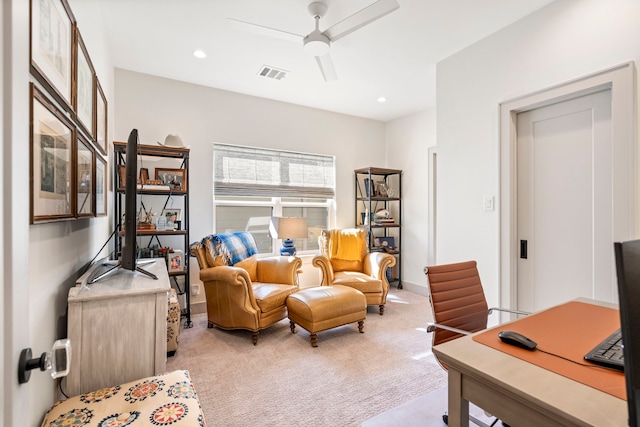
(326, 67)
(361, 18)
(264, 31)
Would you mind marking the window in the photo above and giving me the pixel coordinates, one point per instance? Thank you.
(253, 184)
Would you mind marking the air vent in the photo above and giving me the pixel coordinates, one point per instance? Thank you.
(272, 73)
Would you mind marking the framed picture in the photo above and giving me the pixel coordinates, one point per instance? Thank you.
(101, 186)
(85, 161)
(84, 99)
(174, 178)
(387, 242)
(144, 175)
(52, 140)
(122, 171)
(381, 189)
(52, 37)
(172, 218)
(175, 261)
(101, 119)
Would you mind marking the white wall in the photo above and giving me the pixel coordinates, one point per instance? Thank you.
(56, 251)
(201, 116)
(561, 42)
(408, 141)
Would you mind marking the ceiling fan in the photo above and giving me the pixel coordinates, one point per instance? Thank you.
(317, 42)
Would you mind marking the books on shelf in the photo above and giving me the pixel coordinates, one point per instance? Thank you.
(154, 187)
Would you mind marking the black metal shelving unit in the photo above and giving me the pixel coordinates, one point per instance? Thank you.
(381, 189)
(181, 155)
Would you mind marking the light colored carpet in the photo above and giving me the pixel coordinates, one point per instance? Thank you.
(422, 411)
(283, 381)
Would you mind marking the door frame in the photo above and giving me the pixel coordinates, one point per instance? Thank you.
(432, 205)
(621, 81)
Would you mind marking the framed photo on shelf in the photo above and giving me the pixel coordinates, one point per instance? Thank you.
(381, 189)
(174, 178)
(144, 175)
(52, 141)
(172, 218)
(122, 172)
(175, 261)
(101, 119)
(388, 242)
(85, 90)
(52, 36)
(85, 161)
(101, 186)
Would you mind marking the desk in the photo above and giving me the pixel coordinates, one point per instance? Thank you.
(519, 392)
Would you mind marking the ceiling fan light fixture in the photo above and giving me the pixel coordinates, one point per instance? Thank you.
(316, 44)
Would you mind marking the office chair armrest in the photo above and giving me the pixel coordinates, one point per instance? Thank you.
(506, 310)
(433, 326)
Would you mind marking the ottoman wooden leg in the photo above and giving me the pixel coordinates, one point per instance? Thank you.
(314, 340)
(361, 326)
(381, 309)
(292, 325)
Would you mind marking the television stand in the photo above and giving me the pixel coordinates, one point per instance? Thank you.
(116, 266)
(118, 328)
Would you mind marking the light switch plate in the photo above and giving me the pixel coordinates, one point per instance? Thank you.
(488, 203)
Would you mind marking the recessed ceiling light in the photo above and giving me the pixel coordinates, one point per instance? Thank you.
(382, 99)
(199, 53)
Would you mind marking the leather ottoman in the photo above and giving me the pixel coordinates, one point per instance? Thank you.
(324, 307)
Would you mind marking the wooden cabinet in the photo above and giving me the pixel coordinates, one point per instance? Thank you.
(379, 211)
(118, 329)
(159, 199)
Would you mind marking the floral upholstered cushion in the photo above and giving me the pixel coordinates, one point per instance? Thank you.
(161, 400)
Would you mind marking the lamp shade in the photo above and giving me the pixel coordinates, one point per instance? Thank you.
(286, 229)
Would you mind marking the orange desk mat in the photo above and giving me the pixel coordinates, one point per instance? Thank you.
(569, 330)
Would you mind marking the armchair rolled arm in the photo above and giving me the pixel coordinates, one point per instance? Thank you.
(323, 263)
(227, 274)
(376, 264)
(279, 269)
(432, 326)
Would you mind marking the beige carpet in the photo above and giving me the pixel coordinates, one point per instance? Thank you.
(283, 381)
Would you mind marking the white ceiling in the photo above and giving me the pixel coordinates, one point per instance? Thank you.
(393, 57)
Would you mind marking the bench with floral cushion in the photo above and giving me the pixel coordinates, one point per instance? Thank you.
(167, 399)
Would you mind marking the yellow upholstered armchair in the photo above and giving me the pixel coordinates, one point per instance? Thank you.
(344, 260)
(243, 291)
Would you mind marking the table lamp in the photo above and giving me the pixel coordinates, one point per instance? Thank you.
(286, 229)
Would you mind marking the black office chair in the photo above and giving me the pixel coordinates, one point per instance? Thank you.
(459, 307)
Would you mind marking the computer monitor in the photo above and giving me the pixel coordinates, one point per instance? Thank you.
(628, 269)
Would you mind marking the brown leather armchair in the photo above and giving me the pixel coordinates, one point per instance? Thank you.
(251, 294)
(344, 260)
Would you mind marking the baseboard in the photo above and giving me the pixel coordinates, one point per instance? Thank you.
(199, 307)
(416, 289)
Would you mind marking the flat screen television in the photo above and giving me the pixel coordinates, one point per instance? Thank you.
(128, 258)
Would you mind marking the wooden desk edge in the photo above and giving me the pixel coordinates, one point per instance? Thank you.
(583, 405)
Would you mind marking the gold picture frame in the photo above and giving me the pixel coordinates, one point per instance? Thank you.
(52, 139)
(85, 178)
(52, 36)
(84, 94)
(176, 179)
(101, 181)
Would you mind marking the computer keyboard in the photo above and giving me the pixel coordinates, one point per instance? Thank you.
(609, 352)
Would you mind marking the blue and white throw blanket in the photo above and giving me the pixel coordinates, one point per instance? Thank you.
(234, 247)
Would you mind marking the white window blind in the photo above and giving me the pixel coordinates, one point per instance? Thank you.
(259, 172)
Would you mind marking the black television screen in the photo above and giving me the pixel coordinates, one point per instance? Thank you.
(128, 257)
